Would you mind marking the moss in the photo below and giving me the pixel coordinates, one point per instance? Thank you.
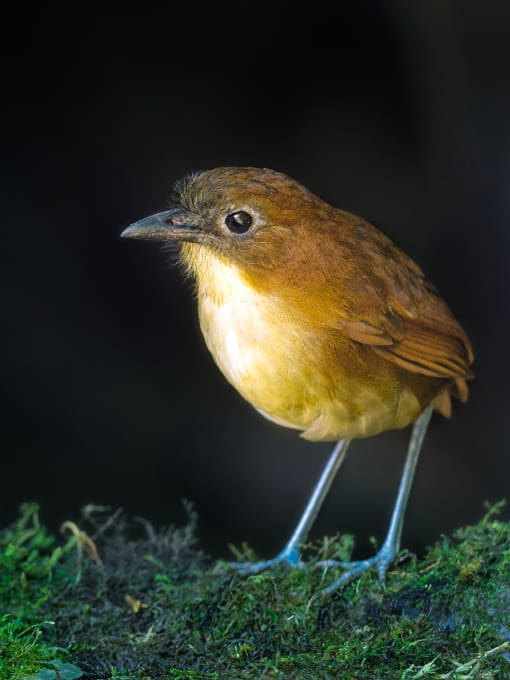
(29, 575)
(157, 607)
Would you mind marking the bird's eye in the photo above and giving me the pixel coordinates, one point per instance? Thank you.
(239, 222)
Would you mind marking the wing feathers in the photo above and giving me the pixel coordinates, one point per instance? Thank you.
(432, 353)
(433, 344)
(388, 304)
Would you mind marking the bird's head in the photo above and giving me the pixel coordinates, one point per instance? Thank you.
(249, 217)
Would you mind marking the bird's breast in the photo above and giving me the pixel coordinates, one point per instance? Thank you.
(255, 344)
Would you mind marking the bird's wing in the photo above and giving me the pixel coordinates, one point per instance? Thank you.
(390, 306)
(422, 345)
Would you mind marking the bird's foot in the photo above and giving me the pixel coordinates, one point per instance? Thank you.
(287, 557)
(353, 570)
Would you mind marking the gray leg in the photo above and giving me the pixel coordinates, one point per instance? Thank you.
(391, 545)
(290, 553)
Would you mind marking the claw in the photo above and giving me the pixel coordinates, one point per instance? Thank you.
(382, 560)
(289, 558)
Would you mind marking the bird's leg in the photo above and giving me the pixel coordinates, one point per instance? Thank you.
(391, 545)
(290, 553)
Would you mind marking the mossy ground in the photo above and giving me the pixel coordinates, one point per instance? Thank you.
(150, 604)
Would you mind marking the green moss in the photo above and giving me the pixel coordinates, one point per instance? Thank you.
(157, 607)
(29, 574)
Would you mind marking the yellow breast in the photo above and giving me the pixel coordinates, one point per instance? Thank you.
(253, 344)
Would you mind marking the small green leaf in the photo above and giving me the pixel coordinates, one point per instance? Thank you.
(63, 671)
(45, 674)
(66, 671)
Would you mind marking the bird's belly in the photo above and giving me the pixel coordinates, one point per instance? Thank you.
(258, 355)
(279, 368)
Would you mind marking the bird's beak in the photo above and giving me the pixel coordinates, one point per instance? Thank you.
(171, 225)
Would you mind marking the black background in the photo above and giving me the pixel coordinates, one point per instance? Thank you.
(393, 110)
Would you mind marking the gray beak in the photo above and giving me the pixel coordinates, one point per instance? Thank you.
(171, 225)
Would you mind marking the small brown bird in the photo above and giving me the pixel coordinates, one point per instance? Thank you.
(317, 319)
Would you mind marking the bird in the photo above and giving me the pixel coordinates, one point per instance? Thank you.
(319, 321)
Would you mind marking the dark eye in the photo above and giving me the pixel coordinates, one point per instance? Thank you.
(239, 222)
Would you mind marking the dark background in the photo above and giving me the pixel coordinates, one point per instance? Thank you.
(397, 111)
